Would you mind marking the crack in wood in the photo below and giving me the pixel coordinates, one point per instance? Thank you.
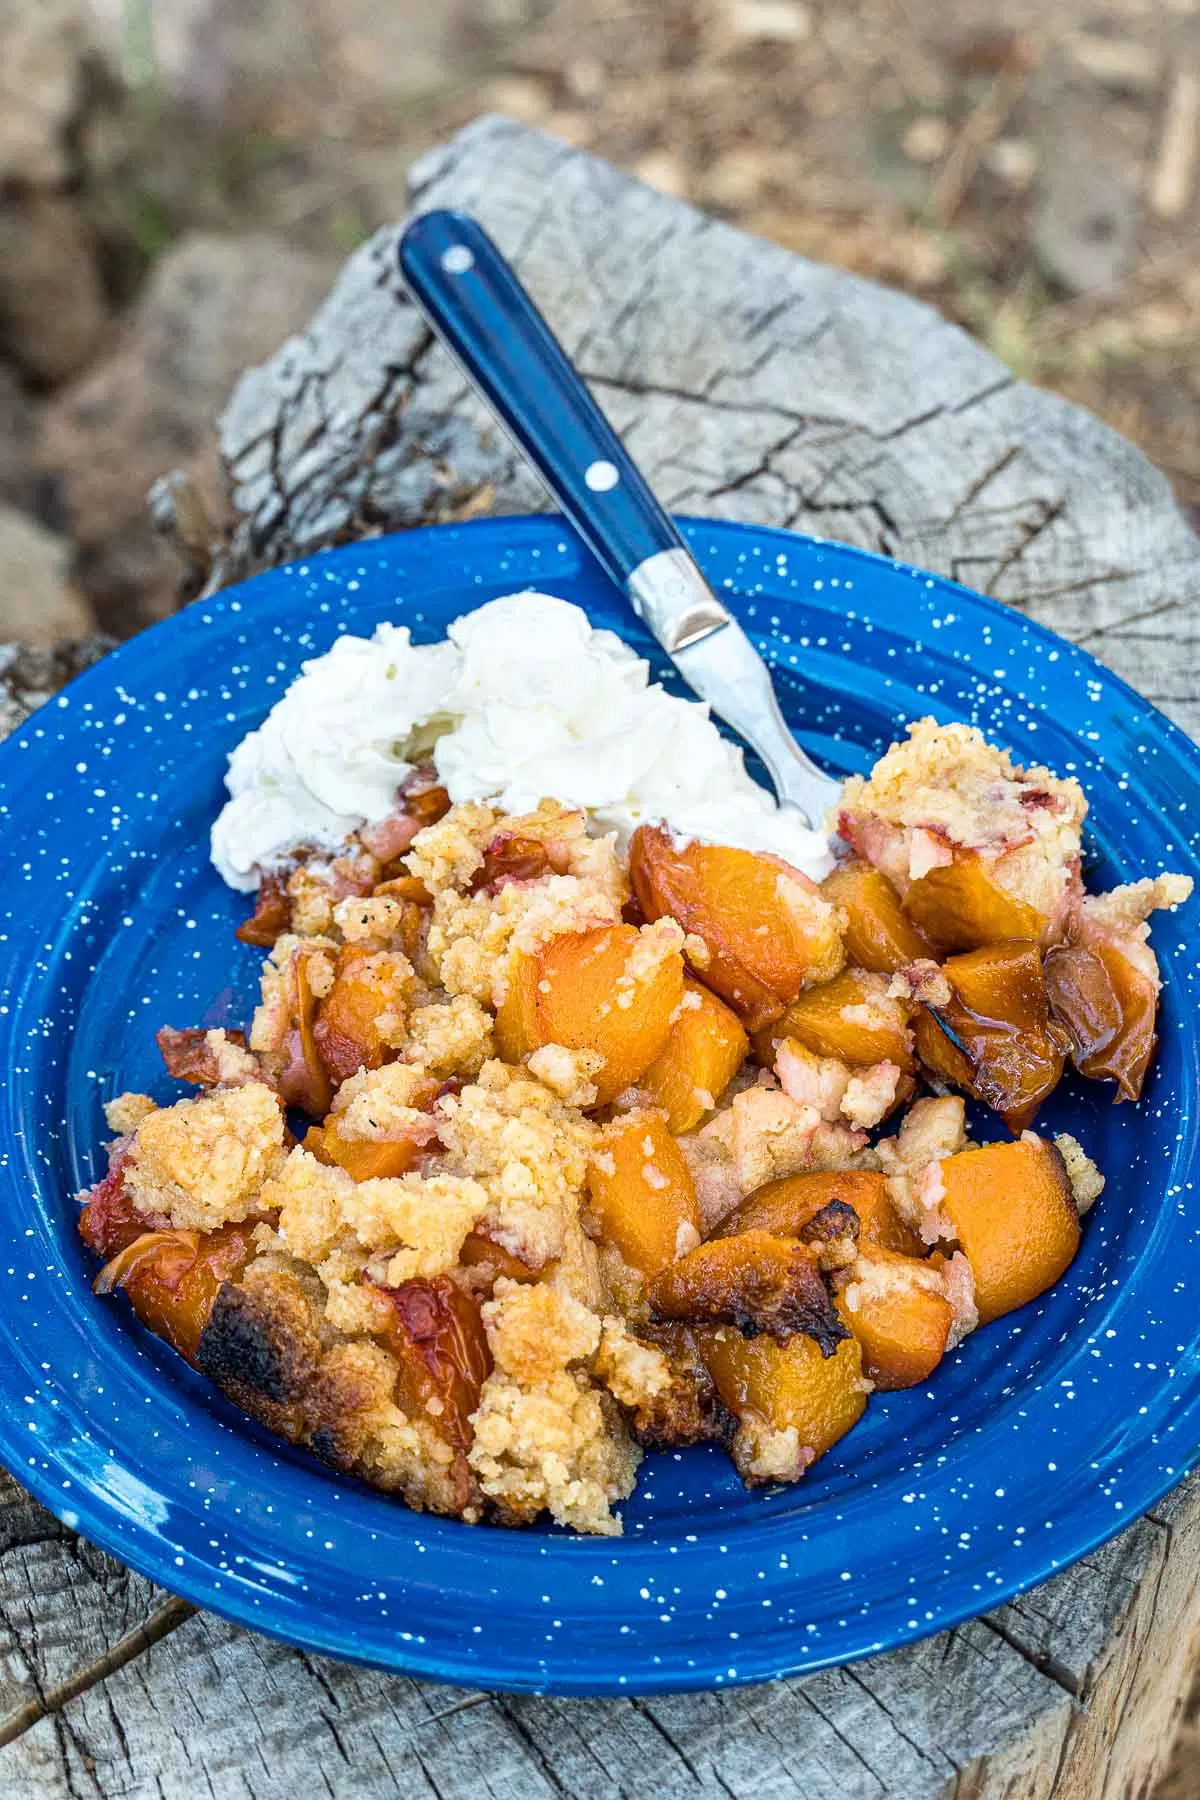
(1004, 461)
(1043, 1662)
(507, 1707)
(855, 1674)
(1116, 627)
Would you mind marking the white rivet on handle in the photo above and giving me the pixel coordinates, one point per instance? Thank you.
(457, 260)
(600, 476)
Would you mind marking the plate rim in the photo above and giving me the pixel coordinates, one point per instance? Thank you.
(96, 1519)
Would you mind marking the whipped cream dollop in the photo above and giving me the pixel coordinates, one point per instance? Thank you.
(523, 701)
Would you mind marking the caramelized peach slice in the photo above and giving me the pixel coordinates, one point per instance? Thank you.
(481, 1251)
(785, 1207)
(422, 801)
(898, 1311)
(792, 1402)
(272, 914)
(765, 926)
(366, 1159)
(369, 1158)
(367, 986)
(406, 888)
(516, 1020)
(878, 934)
(1013, 1213)
(437, 1337)
(172, 1278)
(642, 1193)
(1108, 1008)
(961, 906)
(593, 990)
(755, 1282)
(304, 1081)
(995, 1039)
(851, 1017)
(510, 857)
(110, 1221)
(190, 1055)
(704, 1052)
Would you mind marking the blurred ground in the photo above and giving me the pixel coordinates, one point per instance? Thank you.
(179, 180)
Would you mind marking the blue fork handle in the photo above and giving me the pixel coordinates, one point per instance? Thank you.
(478, 308)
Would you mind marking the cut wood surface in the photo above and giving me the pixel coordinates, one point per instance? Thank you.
(751, 384)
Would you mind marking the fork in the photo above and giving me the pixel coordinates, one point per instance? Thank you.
(476, 305)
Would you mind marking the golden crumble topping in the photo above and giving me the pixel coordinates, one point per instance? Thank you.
(421, 1220)
(446, 855)
(535, 1331)
(423, 1286)
(472, 938)
(307, 1195)
(415, 1224)
(528, 1149)
(203, 1163)
(545, 1437)
(859, 1096)
(1087, 1183)
(370, 919)
(945, 788)
(567, 1073)
(382, 1103)
(760, 1136)
(125, 1112)
(932, 1130)
(1121, 917)
(632, 1370)
(449, 1037)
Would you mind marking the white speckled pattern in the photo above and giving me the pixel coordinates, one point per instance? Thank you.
(1041, 1436)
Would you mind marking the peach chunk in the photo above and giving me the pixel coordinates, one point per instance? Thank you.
(765, 926)
(1107, 1007)
(851, 1017)
(516, 1030)
(369, 1158)
(786, 1206)
(995, 1038)
(481, 1251)
(792, 1402)
(593, 990)
(878, 933)
(366, 1159)
(1013, 1214)
(110, 1221)
(367, 986)
(704, 1052)
(436, 1335)
(755, 1282)
(172, 1278)
(897, 1309)
(642, 1193)
(272, 914)
(961, 906)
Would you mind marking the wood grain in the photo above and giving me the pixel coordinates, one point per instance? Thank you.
(751, 384)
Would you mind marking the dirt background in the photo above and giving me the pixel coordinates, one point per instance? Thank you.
(180, 179)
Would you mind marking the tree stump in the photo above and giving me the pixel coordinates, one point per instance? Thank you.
(751, 384)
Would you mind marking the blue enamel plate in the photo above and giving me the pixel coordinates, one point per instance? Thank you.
(1038, 1439)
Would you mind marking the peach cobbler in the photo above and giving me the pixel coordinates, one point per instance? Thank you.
(540, 1151)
